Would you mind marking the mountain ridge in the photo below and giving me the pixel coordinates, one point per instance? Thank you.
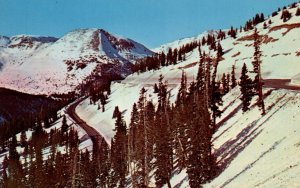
(33, 63)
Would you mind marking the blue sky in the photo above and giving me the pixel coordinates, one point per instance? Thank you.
(151, 22)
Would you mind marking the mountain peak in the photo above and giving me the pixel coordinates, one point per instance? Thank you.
(61, 64)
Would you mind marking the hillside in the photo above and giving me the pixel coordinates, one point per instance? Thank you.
(262, 151)
(280, 61)
(45, 65)
(16, 105)
(134, 133)
(248, 146)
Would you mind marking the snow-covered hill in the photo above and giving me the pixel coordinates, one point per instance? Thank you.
(251, 150)
(36, 64)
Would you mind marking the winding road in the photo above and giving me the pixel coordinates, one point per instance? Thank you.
(98, 140)
(280, 84)
(95, 136)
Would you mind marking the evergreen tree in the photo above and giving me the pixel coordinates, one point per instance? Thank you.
(119, 152)
(132, 139)
(116, 112)
(219, 50)
(155, 88)
(215, 95)
(162, 59)
(200, 163)
(23, 139)
(224, 81)
(140, 141)
(246, 87)
(16, 177)
(298, 12)
(200, 80)
(228, 82)
(285, 15)
(163, 148)
(233, 79)
(258, 83)
(5, 181)
(104, 165)
(64, 126)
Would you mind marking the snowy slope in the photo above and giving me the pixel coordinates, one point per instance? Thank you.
(255, 151)
(263, 151)
(282, 66)
(280, 48)
(46, 65)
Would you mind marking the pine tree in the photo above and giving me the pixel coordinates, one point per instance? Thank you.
(155, 88)
(258, 83)
(16, 177)
(200, 163)
(181, 96)
(246, 87)
(219, 50)
(265, 25)
(104, 165)
(23, 139)
(224, 84)
(179, 127)
(132, 139)
(163, 148)
(215, 95)
(200, 80)
(141, 140)
(4, 181)
(228, 82)
(298, 12)
(233, 79)
(119, 152)
(285, 15)
(64, 126)
(116, 112)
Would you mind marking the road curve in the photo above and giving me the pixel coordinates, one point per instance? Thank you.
(95, 136)
(280, 84)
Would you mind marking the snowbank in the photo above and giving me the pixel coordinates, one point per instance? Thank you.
(295, 80)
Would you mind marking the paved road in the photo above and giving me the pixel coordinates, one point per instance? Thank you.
(280, 84)
(95, 136)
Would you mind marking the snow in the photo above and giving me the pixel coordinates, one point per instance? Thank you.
(85, 141)
(251, 150)
(39, 66)
(262, 151)
(295, 80)
(125, 93)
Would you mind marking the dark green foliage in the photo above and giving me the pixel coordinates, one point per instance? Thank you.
(298, 12)
(258, 83)
(64, 126)
(285, 15)
(215, 95)
(225, 88)
(232, 32)
(116, 112)
(21, 112)
(159, 60)
(119, 152)
(246, 87)
(163, 147)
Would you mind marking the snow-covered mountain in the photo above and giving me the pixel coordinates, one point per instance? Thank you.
(37, 64)
(263, 151)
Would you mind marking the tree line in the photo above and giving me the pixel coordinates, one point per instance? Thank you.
(161, 138)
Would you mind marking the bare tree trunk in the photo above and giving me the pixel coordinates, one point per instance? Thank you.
(74, 170)
(260, 94)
